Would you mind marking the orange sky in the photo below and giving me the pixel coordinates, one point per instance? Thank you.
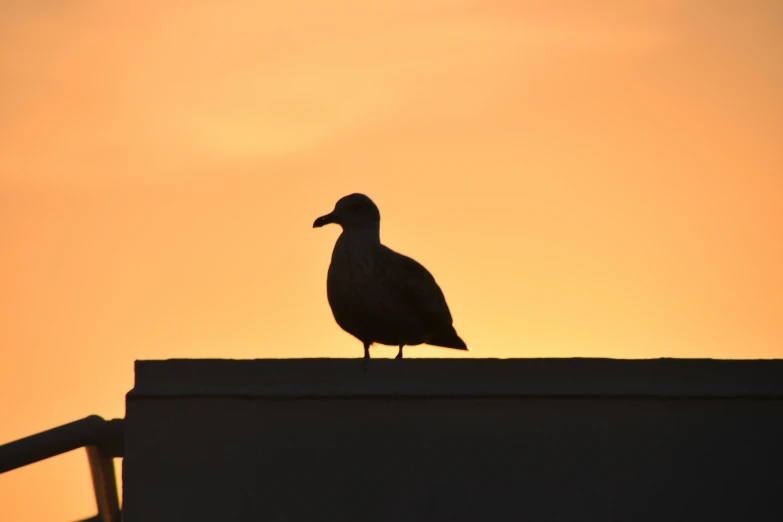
(582, 181)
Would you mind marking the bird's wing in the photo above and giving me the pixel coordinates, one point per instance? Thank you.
(419, 292)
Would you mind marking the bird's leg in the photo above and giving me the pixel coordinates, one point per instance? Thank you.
(399, 354)
(366, 350)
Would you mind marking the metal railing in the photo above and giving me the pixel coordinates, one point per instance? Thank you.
(104, 440)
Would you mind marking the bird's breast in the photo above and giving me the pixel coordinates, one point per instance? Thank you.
(355, 286)
(352, 268)
(365, 293)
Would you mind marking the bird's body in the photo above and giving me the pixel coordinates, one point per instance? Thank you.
(378, 295)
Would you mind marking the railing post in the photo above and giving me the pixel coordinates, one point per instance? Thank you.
(105, 484)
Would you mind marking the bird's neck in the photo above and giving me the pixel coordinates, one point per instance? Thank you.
(370, 235)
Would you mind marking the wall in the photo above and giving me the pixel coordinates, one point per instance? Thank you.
(432, 440)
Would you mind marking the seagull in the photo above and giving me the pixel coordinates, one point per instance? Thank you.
(378, 295)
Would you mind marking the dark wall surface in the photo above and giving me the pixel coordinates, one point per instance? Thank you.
(437, 440)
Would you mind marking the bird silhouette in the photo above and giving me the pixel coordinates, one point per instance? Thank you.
(378, 295)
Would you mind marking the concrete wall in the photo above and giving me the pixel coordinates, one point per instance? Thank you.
(457, 440)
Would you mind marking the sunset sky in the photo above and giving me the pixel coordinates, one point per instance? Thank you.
(582, 178)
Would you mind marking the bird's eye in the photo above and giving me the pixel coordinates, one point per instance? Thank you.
(356, 207)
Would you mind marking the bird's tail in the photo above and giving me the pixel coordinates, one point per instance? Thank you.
(448, 339)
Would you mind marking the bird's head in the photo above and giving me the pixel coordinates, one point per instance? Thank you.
(355, 211)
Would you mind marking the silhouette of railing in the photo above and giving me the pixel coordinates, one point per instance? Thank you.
(104, 440)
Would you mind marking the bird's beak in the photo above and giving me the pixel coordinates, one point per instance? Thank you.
(323, 220)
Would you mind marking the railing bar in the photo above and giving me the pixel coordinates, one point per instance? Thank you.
(56, 441)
